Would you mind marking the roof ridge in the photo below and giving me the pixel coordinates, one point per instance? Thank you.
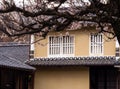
(74, 57)
(104, 60)
(7, 44)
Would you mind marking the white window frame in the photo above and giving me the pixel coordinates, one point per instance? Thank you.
(32, 40)
(96, 54)
(117, 52)
(117, 49)
(61, 52)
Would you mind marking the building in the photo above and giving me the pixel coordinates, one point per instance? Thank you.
(75, 59)
(14, 73)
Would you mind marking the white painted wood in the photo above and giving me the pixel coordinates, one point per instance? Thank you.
(96, 44)
(32, 42)
(61, 46)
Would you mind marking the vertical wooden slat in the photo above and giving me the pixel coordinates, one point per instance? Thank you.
(96, 47)
(68, 45)
(61, 45)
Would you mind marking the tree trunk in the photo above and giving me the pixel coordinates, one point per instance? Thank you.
(116, 29)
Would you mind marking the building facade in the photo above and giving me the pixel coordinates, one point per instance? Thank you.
(75, 59)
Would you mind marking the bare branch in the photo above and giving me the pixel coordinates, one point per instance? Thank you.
(42, 16)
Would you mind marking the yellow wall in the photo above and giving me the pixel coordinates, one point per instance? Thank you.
(109, 47)
(40, 48)
(70, 77)
(62, 78)
(81, 44)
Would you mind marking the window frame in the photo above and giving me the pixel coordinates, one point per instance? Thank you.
(96, 54)
(117, 51)
(61, 55)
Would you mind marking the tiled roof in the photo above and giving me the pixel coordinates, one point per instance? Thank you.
(14, 55)
(15, 50)
(58, 61)
(9, 62)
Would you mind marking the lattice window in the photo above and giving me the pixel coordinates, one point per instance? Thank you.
(117, 52)
(31, 54)
(96, 44)
(61, 46)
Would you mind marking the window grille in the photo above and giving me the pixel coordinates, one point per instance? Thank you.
(96, 45)
(61, 46)
(117, 52)
(31, 54)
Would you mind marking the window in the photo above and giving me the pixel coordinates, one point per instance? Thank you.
(32, 47)
(31, 54)
(61, 46)
(96, 44)
(117, 52)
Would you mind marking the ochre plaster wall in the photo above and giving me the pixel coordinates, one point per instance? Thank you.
(40, 48)
(109, 47)
(82, 38)
(62, 78)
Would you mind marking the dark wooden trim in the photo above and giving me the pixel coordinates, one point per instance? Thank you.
(32, 80)
(118, 80)
(0, 78)
(18, 79)
(103, 78)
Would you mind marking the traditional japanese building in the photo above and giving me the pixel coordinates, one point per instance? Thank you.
(75, 59)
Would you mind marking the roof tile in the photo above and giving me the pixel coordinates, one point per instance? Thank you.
(58, 61)
(9, 62)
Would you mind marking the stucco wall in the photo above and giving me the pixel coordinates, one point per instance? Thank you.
(62, 78)
(82, 38)
(109, 47)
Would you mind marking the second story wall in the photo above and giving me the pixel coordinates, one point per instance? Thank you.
(81, 44)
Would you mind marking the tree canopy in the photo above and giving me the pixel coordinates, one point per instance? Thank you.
(42, 16)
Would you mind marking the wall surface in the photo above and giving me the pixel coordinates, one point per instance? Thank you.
(82, 44)
(62, 78)
(70, 77)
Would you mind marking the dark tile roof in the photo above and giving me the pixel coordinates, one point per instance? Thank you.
(14, 55)
(15, 50)
(58, 61)
(9, 62)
